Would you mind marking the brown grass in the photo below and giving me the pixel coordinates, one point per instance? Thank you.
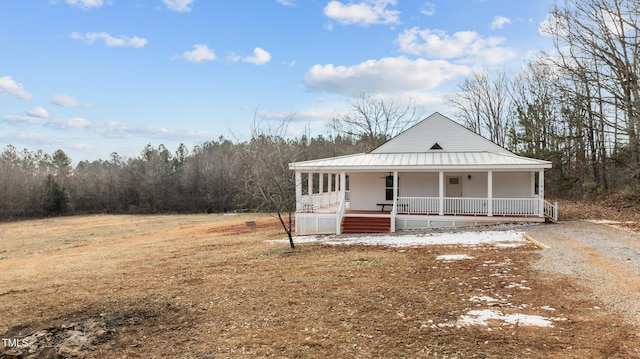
(207, 286)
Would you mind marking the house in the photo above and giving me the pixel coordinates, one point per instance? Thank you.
(435, 174)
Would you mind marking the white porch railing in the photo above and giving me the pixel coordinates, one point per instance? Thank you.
(311, 203)
(551, 210)
(470, 206)
(516, 206)
(422, 205)
(459, 205)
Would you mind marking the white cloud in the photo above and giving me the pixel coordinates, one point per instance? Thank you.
(85, 4)
(200, 53)
(305, 115)
(428, 9)
(111, 41)
(260, 57)
(63, 100)
(391, 74)
(466, 46)
(8, 87)
(38, 112)
(365, 13)
(59, 123)
(499, 22)
(179, 5)
(288, 3)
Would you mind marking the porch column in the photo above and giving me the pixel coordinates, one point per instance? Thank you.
(321, 186)
(541, 192)
(309, 183)
(490, 193)
(394, 211)
(343, 202)
(533, 184)
(441, 193)
(298, 190)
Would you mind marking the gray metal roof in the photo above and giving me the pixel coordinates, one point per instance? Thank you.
(424, 161)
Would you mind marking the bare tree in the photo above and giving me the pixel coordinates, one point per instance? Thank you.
(373, 119)
(597, 45)
(269, 184)
(484, 105)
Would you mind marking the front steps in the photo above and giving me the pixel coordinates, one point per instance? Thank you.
(366, 225)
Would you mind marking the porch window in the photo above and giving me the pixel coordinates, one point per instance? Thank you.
(389, 187)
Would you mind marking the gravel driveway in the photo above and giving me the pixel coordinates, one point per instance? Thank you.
(602, 258)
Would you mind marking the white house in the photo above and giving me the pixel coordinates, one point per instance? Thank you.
(435, 174)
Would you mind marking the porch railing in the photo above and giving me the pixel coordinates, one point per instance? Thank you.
(422, 205)
(465, 206)
(551, 210)
(516, 206)
(310, 203)
(470, 206)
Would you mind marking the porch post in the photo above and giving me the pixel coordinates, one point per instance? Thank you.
(541, 192)
(321, 186)
(343, 202)
(490, 193)
(533, 184)
(298, 190)
(441, 193)
(310, 183)
(394, 210)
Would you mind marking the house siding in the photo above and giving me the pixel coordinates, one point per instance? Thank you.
(418, 184)
(451, 136)
(512, 185)
(366, 189)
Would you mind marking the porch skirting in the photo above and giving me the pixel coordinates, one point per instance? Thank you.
(329, 223)
(417, 222)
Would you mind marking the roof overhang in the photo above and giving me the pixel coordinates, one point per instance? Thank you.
(421, 162)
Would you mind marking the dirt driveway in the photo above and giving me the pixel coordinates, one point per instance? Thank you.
(601, 257)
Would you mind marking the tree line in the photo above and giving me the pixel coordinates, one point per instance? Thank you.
(216, 176)
(578, 105)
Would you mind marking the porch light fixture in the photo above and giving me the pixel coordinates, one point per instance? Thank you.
(469, 177)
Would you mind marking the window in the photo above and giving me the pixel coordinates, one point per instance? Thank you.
(389, 188)
(436, 146)
(454, 180)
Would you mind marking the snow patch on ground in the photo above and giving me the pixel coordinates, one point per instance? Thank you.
(482, 317)
(453, 257)
(508, 238)
(607, 221)
(485, 317)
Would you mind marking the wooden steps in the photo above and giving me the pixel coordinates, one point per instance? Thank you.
(366, 225)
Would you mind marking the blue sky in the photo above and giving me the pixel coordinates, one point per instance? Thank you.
(93, 77)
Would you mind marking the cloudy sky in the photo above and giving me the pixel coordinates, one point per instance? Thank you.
(93, 77)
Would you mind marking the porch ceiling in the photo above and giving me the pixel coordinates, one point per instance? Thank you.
(431, 161)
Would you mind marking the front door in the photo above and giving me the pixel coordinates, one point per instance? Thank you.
(453, 190)
(454, 186)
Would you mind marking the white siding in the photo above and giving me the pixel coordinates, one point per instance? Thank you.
(418, 184)
(512, 185)
(315, 223)
(437, 128)
(476, 187)
(366, 189)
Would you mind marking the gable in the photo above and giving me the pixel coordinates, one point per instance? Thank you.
(438, 130)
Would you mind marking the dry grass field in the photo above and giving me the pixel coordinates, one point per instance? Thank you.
(207, 286)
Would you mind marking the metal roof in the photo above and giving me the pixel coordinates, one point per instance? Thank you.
(423, 161)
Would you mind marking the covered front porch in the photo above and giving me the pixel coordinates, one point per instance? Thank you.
(415, 200)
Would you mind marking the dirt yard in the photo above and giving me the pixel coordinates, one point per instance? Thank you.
(208, 286)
